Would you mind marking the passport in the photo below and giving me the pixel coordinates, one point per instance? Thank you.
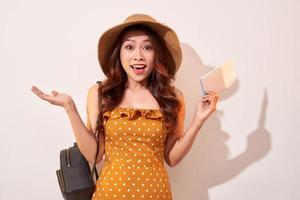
(218, 79)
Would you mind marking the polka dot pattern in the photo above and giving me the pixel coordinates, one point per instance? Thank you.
(134, 156)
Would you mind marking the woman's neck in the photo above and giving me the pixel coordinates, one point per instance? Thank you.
(136, 86)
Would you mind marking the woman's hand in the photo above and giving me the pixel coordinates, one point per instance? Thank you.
(206, 106)
(58, 99)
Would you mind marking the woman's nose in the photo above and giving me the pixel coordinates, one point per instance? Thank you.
(139, 55)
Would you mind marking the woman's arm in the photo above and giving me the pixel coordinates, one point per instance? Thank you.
(180, 143)
(85, 134)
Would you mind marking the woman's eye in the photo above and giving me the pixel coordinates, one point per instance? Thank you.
(129, 47)
(148, 47)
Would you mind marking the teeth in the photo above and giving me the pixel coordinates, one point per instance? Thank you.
(138, 66)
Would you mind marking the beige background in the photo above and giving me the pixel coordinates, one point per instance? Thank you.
(247, 150)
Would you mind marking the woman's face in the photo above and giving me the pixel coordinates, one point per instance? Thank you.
(137, 55)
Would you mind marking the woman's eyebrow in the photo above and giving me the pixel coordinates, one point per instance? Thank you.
(146, 40)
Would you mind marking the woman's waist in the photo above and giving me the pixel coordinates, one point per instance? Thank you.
(135, 161)
(113, 167)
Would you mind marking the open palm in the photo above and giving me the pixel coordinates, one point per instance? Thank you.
(59, 99)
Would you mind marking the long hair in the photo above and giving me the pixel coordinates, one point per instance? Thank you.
(159, 83)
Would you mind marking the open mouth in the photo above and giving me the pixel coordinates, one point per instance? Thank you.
(138, 66)
(138, 69)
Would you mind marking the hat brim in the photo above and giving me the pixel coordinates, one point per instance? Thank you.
(109, 37)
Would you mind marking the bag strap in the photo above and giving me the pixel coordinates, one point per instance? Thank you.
(94, 169)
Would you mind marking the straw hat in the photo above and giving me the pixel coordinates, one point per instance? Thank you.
(109, 37)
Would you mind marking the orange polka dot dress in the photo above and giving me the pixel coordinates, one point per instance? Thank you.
(134, 156)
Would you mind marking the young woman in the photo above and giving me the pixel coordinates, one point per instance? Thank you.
(142, 115)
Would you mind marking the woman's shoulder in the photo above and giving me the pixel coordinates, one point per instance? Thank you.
(178, 92)
(93, 90)
(180, 97)
(92, 96)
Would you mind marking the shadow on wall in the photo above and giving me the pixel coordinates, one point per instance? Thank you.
(209, 165)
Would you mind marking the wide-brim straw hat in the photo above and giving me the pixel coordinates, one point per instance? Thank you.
(109, 38)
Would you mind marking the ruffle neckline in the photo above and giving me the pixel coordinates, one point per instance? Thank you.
(130, 113)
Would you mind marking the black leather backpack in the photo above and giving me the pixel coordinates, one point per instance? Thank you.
(75, 177)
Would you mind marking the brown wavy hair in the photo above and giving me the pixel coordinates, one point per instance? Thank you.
(159, 81)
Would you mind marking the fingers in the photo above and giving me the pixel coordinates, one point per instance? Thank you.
(54, 92)
(209, 99)
(212, 94)
(41, 94)
(37, 91)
